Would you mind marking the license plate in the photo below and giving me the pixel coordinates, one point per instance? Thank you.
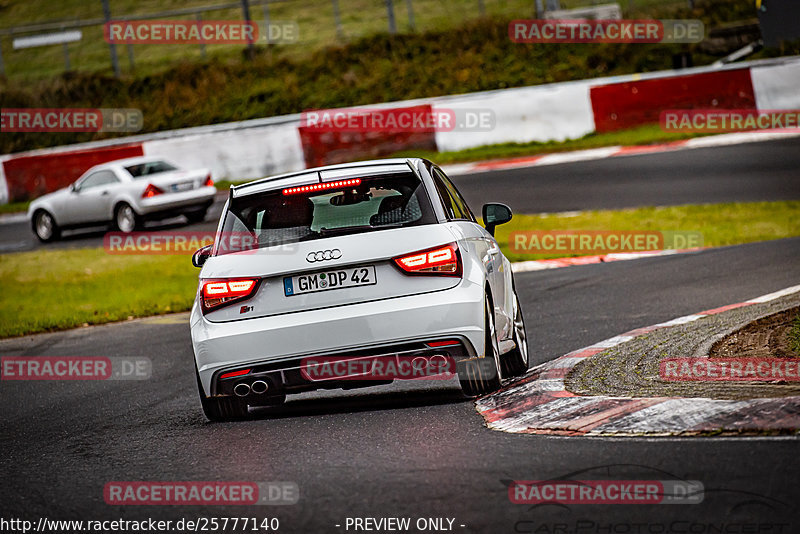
(183, 186)
(328, 280)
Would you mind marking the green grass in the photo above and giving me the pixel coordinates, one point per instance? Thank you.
(643, 135)
(461, 54)
(720, 224)
(58, 289)
(14, 207)
(315, 20)
(794, 336)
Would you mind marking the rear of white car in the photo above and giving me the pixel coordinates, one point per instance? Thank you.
(124, 193)
(351, 262)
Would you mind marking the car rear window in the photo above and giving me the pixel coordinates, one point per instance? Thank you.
(281, 216)
(149, 168)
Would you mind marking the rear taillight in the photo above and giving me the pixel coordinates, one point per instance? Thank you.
(150, 191)
(217, 293)
(440, 260)
(209, 181)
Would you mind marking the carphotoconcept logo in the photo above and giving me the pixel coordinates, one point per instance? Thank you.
(70, 120)
(75, 368)
(601, 241)
(201, 493)
(729, 369)
(728, 120)
(417, 119)
(606, 31)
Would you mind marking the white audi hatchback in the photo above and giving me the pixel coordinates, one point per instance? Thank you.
(336, 277)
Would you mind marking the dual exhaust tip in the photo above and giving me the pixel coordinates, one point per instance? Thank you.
(422, 362)
(243, 389)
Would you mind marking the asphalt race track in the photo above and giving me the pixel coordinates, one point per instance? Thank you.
(766, 170)
(749, 172)
(398, 451)
(420, 450)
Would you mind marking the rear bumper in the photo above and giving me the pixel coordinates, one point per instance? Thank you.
(176, 203)
(279, 342)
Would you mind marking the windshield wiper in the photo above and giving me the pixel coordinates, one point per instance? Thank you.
(358, 228)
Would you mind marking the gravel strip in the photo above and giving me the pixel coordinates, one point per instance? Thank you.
(632, 368)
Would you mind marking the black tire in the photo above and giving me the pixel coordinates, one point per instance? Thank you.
(515, 362)
(220, 409)
(45, 227)
(195, 217)
(480, 376)
(126, 219)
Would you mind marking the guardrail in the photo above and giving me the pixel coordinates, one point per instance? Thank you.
(261, 147)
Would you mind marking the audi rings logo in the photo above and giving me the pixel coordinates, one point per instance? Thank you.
(323, 255)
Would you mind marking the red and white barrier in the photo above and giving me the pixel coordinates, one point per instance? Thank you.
(253, 149)
(239, 154)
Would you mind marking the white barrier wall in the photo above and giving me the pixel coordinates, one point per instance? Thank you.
(777, 86)
(261, 147)
(3, 184)
(541, 113)
(241, 154)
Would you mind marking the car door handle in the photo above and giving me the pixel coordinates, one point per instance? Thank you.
(104, 193)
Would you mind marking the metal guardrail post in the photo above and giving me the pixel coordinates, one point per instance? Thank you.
(410, 7)
(112, 46)
(338, 19)
(246, 12)
(66, 57)
(199, 18)
(130, 56)
(265, 11)
(390, 16)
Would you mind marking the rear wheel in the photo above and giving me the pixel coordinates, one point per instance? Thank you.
(515, 362)
(480, 376)
(220, 409)
(45, 227)
(126, 219)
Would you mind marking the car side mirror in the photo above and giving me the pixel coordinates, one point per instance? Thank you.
(201, 255)
(494, 214)
(73, 188)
